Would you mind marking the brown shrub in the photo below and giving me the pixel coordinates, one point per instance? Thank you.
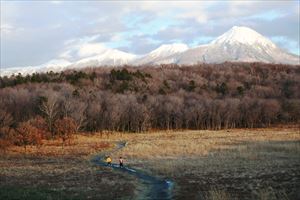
(26, 134)
(65, 128)
(40, 123)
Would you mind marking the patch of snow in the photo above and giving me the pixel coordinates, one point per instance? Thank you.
(243, 35)
(162, 54)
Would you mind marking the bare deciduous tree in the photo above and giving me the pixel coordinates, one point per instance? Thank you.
(50, 109)
(202, 96)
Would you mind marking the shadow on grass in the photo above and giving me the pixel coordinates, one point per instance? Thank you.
(32, 193)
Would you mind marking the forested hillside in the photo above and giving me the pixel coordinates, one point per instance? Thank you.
(203, 96)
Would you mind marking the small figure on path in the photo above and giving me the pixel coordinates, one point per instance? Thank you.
(121, 162)
(108, 160)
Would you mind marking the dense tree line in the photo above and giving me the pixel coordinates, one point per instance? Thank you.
(203, 96)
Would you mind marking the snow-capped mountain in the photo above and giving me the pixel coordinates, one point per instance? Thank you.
(162, 54)
(239, 44)
(110, 57)
(55, 65)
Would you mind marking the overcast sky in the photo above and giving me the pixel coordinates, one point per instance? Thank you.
(34, 32)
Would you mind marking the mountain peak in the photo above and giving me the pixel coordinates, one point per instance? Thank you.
(243, 35)
(109, 57)
(161, 54)
(169, 49)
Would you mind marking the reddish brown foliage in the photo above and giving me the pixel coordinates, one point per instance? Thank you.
(40, 123)
(65, 128)
(26, 134)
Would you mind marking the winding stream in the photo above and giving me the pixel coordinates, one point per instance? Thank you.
(157, 188)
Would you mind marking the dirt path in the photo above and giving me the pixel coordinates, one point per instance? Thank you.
(156, 188)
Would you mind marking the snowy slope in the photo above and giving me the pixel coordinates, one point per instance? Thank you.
(110, 57)
(162, 55)
(238, 44)
(55, 65)
(244, 35)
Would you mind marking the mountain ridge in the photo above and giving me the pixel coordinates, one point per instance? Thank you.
(238, 44)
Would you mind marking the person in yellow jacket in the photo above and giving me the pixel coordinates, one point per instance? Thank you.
(108, 160)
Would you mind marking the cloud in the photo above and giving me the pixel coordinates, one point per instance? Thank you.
(6, 29)
(267, 15)
(141, 44)
(78, 48)
(56, 2)
(91, 49)
(287, 44)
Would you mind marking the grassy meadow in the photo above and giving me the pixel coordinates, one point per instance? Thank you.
(225, 164)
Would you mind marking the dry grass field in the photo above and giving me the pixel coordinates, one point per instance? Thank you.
(227, 164)
(53, 172)
(230, 164)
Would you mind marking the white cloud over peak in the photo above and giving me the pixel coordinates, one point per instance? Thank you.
(91, 49)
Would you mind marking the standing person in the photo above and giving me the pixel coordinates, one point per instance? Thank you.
(108, 160)
(121, 162)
